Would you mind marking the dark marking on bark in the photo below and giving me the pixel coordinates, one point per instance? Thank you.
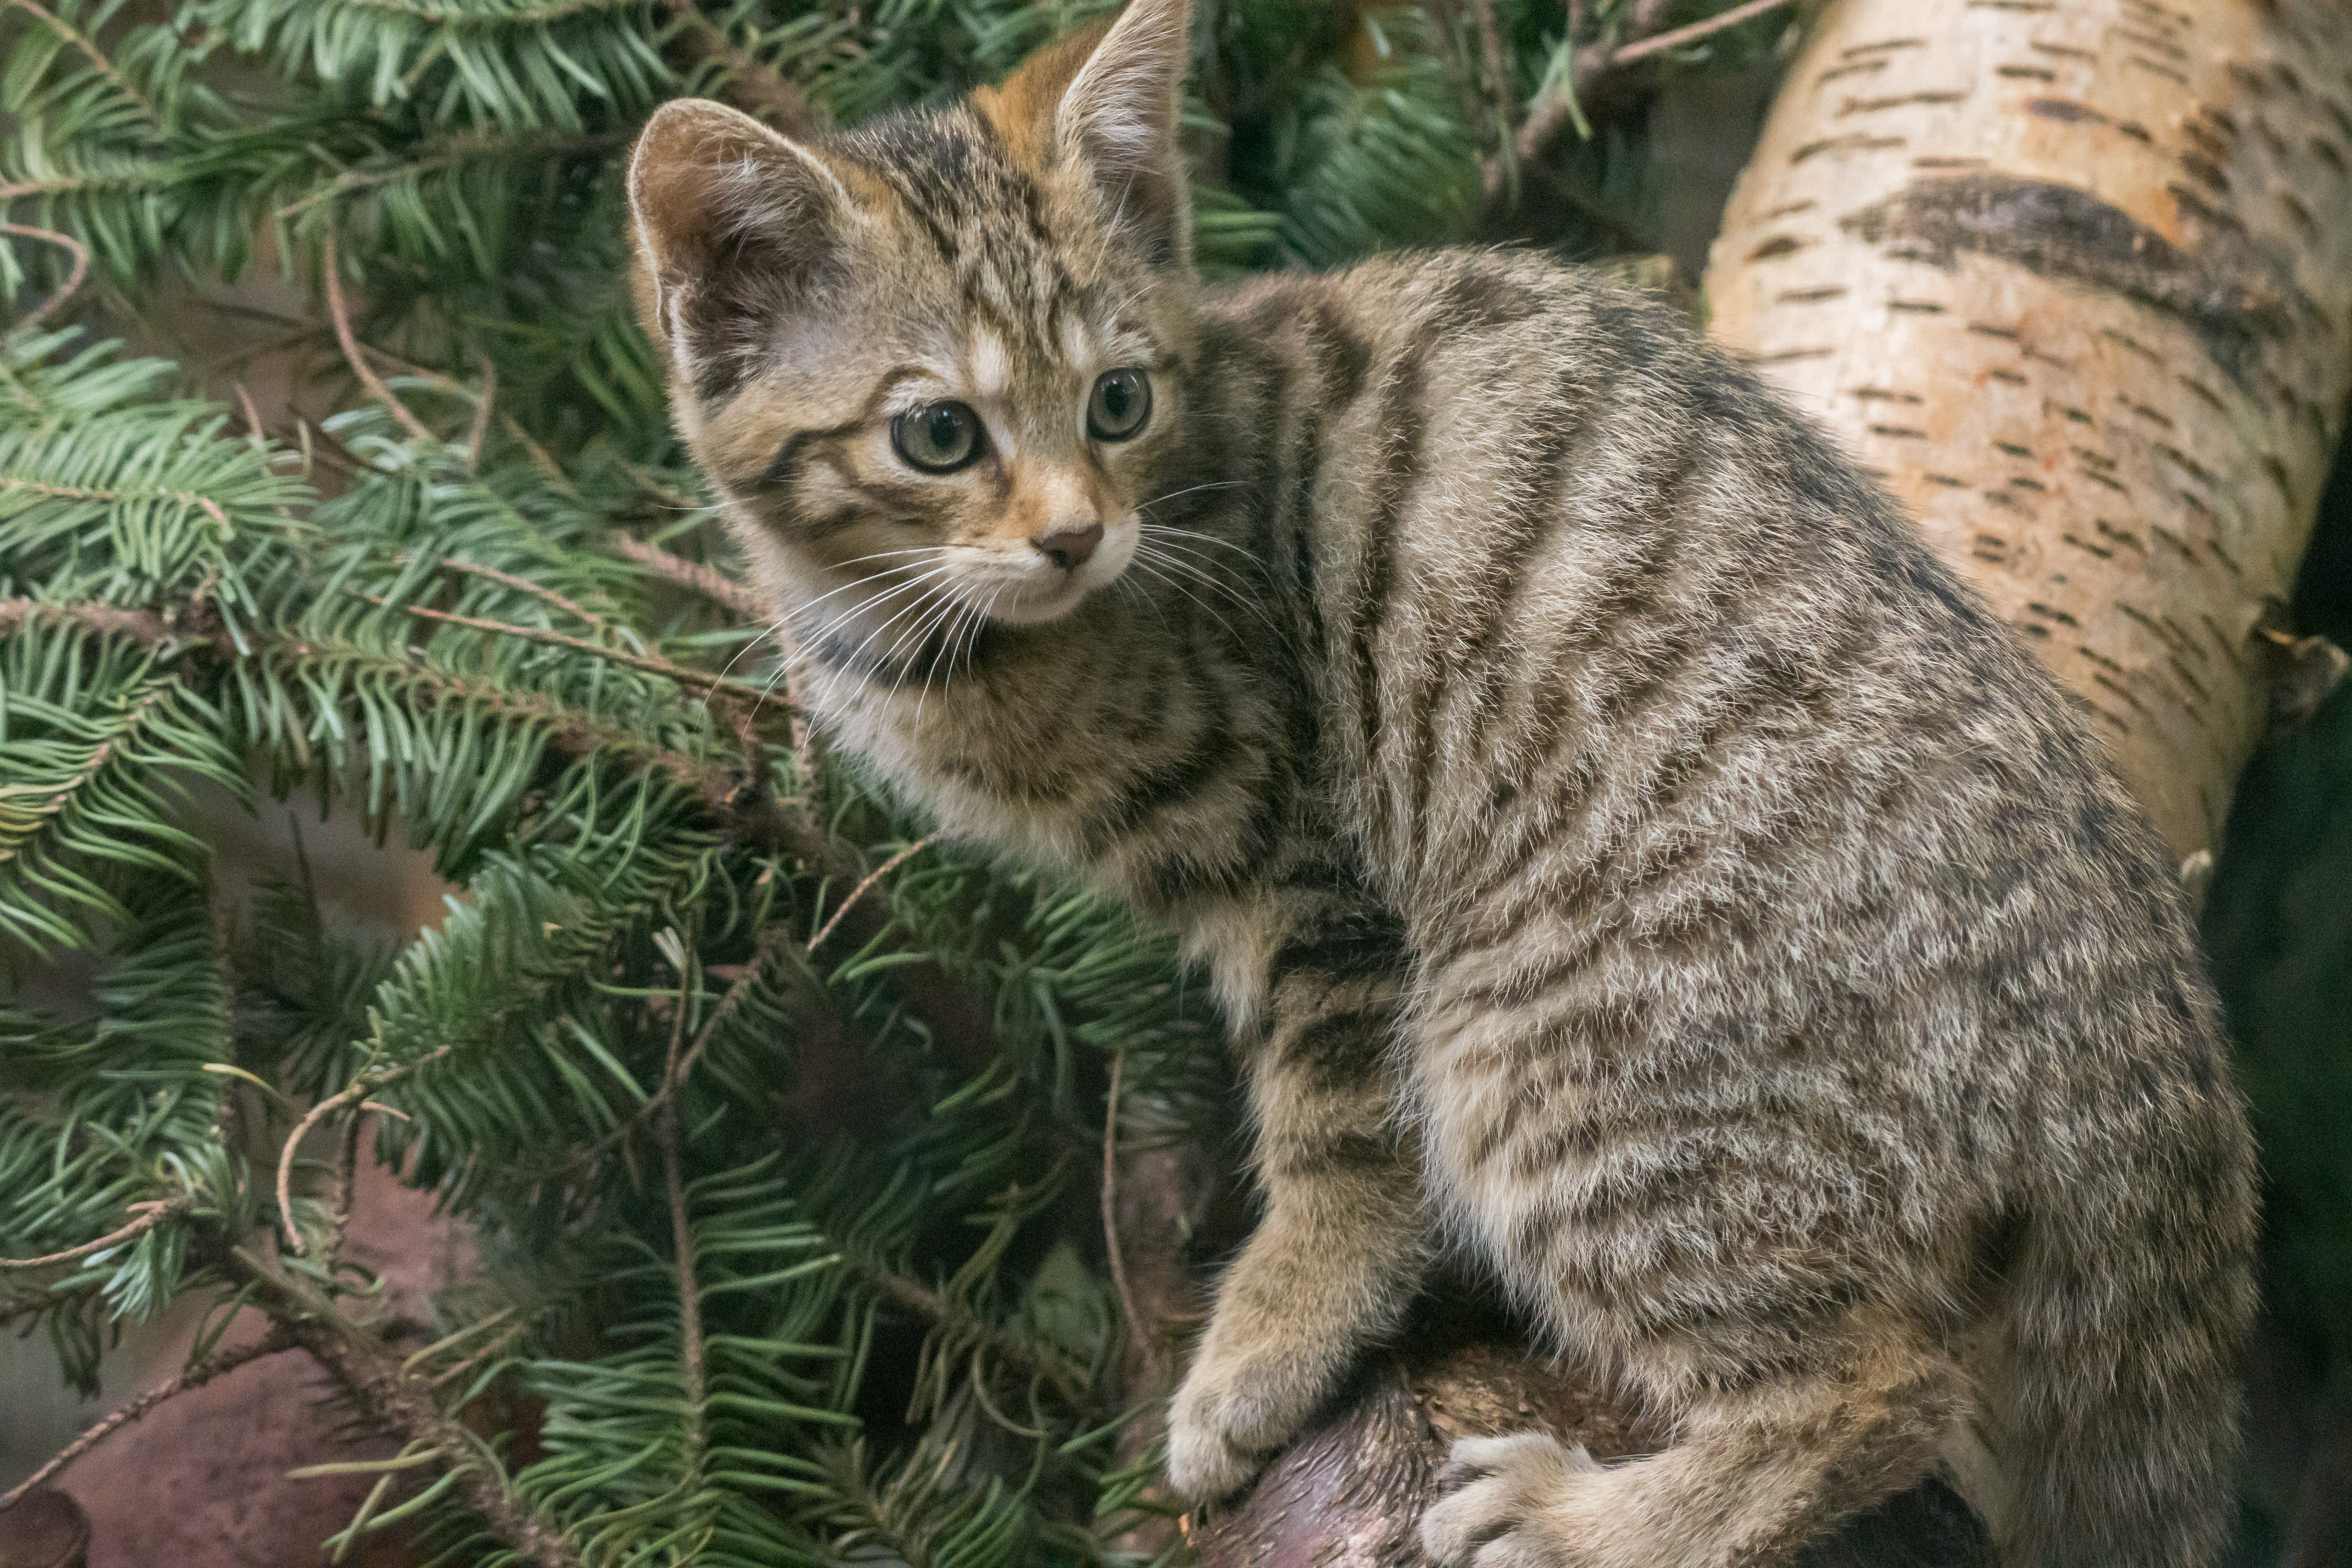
(2230, 294)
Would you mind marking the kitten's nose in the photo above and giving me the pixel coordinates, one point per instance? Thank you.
(1067, 547)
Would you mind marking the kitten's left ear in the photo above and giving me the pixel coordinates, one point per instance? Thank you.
(1107, 103)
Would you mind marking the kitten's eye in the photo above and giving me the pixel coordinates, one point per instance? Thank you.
(1121, 401)
(938, 437)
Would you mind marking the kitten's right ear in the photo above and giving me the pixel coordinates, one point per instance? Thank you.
(1105, 99)
(736, 227)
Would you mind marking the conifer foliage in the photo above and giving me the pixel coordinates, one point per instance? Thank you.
(731, 1310)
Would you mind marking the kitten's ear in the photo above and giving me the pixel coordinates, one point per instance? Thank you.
(736, 227)
(1107, 101)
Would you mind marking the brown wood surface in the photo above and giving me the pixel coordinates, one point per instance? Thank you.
(2075, 277)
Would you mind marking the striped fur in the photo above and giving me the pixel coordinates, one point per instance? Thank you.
(1619, 848)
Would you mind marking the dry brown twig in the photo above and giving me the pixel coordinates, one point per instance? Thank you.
(689, 1292)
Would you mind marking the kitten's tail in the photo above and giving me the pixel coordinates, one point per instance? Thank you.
(2118, 1438)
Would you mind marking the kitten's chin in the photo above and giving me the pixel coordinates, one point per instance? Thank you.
(1036, 609)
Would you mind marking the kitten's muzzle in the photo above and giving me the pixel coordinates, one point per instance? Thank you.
(1067, 546)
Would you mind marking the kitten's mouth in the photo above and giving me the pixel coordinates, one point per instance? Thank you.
(1044, 592)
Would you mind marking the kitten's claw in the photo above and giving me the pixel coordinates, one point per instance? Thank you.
(1502, 1485)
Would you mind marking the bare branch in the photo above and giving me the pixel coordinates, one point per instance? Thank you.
(689, 1292)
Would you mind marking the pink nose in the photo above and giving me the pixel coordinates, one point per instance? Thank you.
(1069, 548)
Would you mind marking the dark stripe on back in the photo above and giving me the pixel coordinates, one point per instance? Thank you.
(1527, 524)
(1403, 422)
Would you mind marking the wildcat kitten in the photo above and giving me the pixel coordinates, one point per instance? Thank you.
(1616, 843)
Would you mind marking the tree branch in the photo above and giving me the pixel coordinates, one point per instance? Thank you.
(859, 892)
(397, 1402)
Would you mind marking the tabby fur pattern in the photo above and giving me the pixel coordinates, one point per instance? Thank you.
(1621, 850)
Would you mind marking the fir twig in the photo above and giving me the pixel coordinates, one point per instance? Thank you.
(519, 585)
(193, 1376)
(150, 1215)
(74, 277)
(140, 625)
(397, 1402)
(89, 51)
(1707, 26)
(481, 425)
(758, 89)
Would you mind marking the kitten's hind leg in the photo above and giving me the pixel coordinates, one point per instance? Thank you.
(1345, 1239)
(1755, 1473)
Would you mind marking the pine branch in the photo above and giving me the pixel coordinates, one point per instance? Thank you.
(758, 89)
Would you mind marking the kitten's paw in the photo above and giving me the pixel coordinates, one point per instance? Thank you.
(1229, 1417)
(1503, 1488)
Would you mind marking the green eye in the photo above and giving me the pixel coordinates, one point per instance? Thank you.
(938, 437)
(1120, 403)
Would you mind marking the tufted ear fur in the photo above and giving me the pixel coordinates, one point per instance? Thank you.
(1108, 100)
(736, 227)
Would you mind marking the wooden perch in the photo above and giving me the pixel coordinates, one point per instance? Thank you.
(2077, 281)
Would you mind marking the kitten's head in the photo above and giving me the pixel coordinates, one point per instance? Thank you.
(933, 362)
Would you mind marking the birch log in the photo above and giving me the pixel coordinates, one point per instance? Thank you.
(2075, 278)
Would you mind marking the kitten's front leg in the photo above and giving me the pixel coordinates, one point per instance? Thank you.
(1344, 1242)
